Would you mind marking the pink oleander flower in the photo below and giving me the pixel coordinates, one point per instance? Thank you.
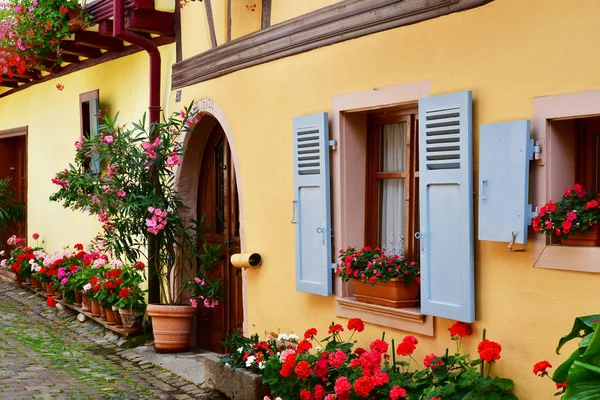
(173, 160)
(121, 194)
(64, 281)
(194, 303)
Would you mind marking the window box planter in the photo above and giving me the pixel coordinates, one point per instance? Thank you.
(590, 238)
(238, 384)
(394, 293)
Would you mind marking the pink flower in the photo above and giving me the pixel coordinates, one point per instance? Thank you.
(108, 139)
(173, 160)
(194, 303)
(121, 193)
(571, 216)
(35, 236)
(64, 281)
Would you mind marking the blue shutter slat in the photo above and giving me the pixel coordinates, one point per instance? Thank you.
(504, 153)
(446, 206)
(312, 202)
(95, 167)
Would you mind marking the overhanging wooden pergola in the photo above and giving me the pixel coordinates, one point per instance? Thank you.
(86, 48)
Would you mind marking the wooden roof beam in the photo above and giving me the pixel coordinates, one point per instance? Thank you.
(71, 47)
(98, 41)
(9, 84)
(156, 22)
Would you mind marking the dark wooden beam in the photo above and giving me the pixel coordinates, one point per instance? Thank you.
(101, 10)
(228, 20)
(30, 74)
(71, 47)
(178, 42)
(105, 28)
(98, 41)
(156, 22)
(15, 79)
(49, 66)
(211, 23)
(266, 14)
(9, 84)
(70, 58)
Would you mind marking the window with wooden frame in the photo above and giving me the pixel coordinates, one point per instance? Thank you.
(89, 108)
(587, 153)
(392, 187)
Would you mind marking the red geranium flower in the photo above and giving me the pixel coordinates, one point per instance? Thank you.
(397, 392)
(310, 334)
(303, 370)
(139, 265)
(35, 236)
(50, 302)
(459, 330)
(78, 247)
(489, 351)
(561, 385)
(356, 324)
(335, 328)
(320, 392)
(124, 293)
(429, 359)
(63, 10)
(305, 395)
(379, 345)
(303, 346)
(541, 367)
(363, 386)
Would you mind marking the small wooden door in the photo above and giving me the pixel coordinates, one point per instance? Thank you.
(218, 202)
(13, 164)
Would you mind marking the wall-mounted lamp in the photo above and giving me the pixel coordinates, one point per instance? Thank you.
(246, 260)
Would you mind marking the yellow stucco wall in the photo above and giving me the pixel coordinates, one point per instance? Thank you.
(507, 53)
(53, 120)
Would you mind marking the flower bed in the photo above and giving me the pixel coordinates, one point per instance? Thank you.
(332, 368)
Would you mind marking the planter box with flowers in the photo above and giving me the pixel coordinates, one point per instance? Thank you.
(574, 219)
(379, 278)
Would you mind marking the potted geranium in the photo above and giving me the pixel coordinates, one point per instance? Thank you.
(379, 278)
(574, 219)
(136, 201)
(11, 211)
(130, 301)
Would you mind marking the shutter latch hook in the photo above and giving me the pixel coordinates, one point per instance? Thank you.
(512, 243)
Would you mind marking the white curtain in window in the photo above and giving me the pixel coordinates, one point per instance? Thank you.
(392, 152)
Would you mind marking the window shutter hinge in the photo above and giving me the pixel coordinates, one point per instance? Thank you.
(532, 213)
(535, 152)
(333, 144)
(334, 266)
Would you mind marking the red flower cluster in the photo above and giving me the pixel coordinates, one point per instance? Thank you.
(356, 324)
(335, 328)
(408, 346)
(428, 360)
(541, 367)
(459, 330)
(310, 333)
(489, 351)
(50, 302)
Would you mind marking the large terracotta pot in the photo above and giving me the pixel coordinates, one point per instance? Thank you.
(171, 326)
(393, 293)
(96, 309)
(77, 295)
(50, 289)
(35, 283)
(110, 316)
(85, 302)
(590, 238)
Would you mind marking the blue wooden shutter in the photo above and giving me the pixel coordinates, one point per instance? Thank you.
(312, 204)
(446, 206)
(95, 167)
(505, 150)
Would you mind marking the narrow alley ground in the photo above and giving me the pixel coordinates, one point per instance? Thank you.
(46, 354)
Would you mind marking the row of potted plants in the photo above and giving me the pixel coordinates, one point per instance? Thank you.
(335, 368)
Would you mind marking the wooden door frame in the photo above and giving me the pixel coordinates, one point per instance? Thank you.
(15, 132)
(187, 173)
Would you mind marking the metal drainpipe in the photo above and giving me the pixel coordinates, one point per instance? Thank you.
(120, 32)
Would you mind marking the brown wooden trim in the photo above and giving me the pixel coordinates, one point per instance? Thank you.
(228, 21)
(178, 42)
(266, 14)
(211, 23)
(12, 132)
(339, 22)
(108, 56)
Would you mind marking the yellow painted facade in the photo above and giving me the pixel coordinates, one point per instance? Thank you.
(507, 52)
(53, 122)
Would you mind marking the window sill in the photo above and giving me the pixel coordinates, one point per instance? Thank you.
(407, 319)
(570, 258)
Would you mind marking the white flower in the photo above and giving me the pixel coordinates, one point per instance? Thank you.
(87, 286)
(37, 268)
(227, 365)
(2, 253)
(282, 336)
(250, 360)
(3, 263)
(293, 336)
(318, 348)
(240, 349)
(261, 365)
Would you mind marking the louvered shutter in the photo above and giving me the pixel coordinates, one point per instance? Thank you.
(312, 204)
(446, 206)
(95, 167)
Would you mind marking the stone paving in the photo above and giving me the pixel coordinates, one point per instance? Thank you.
(46, 354)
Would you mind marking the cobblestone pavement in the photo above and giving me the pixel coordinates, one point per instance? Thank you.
(46, 354)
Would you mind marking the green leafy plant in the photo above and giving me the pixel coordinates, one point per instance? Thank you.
(135, 199)
(578, 377)
(374, 265)
(11, 211)
(576, 213)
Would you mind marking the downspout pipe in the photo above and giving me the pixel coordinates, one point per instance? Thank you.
(120, 32)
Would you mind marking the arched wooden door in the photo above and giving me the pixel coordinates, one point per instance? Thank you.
(218, 201)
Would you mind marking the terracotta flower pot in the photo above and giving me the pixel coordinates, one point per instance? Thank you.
(119, 322)
(127, 317)
(77, 294)
(171, 326)
(27, 281)
(58, 294)
(102, 313)
(44, 288)
(50, 289)
(589, 238)
(19, 278)
(96, 309)
(393, 293)
(85, 302)
(35, 283)
(110, 316)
